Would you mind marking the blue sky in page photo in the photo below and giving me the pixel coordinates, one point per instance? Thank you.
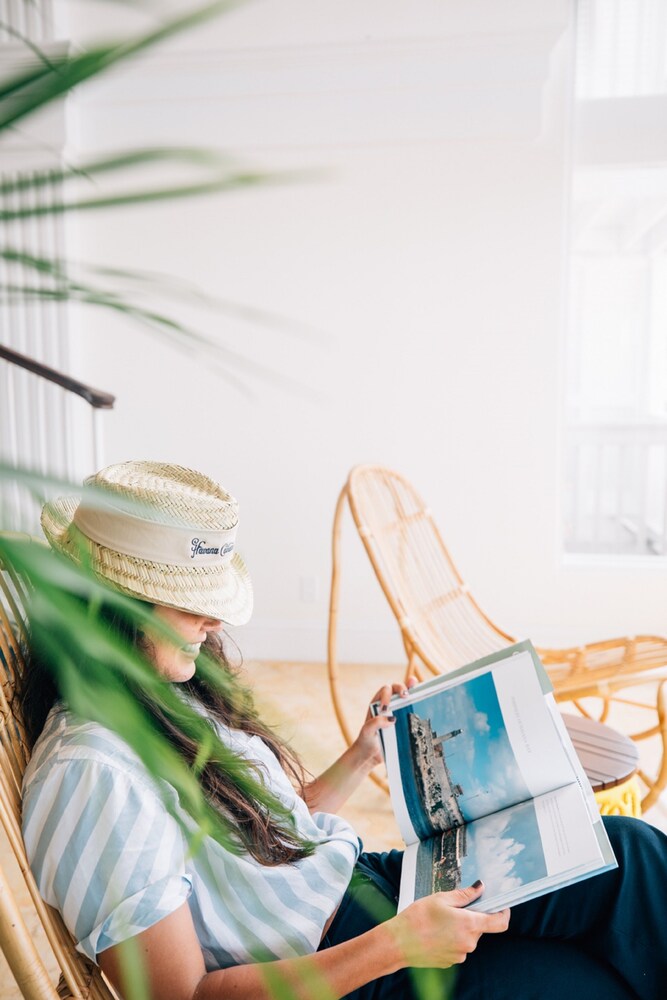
(480, 758)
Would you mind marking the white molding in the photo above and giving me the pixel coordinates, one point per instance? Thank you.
(291, 639)
(282, 639)
(355, 93)
(613, 562)
(39, 425)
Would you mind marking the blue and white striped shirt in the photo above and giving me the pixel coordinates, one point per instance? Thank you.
(107, 853)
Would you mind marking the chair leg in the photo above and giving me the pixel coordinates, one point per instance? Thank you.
(600, 716)
(332, 639)
(657, 785)
(332, 642)
(22, 958)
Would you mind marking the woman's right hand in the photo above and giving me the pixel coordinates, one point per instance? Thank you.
(437, 931)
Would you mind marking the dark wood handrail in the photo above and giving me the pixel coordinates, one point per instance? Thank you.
(100, 400)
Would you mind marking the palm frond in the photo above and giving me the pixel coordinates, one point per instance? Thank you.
(38, 86)
(26, 42)
(189, 156)
(185, 338)
(93, 669)
(219, 181)
(52, 77)
(166, 286)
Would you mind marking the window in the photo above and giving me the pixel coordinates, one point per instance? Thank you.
(616, 400)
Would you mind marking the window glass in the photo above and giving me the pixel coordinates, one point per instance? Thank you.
(616, 398)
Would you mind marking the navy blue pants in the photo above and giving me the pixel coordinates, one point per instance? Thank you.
(602, 939)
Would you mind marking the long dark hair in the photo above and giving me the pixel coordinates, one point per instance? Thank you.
(268, 839)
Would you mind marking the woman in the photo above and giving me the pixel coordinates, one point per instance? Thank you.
(288, 906)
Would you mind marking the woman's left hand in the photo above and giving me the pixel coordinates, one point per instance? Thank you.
(334, 787)
(367, 743)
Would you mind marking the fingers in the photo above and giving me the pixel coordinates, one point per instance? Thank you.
(380, 722)
(488, 923)
(465, 895)
(495, 923)
(387, 691)
(440, 930)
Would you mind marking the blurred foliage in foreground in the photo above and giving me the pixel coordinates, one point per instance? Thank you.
(93, 671)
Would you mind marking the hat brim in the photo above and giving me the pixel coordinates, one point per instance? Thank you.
(223, 592)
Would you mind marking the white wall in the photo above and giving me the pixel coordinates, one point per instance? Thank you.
(426, 254)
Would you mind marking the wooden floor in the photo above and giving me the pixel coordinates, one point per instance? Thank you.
(295, 698)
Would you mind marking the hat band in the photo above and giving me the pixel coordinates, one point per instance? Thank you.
(170, 544)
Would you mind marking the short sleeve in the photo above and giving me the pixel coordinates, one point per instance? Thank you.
(105, 851)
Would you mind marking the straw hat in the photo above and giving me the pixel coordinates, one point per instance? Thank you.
(158, 532)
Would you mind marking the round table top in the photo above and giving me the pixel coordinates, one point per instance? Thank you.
(608, 757)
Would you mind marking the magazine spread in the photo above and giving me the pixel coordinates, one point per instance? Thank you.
(485, 784)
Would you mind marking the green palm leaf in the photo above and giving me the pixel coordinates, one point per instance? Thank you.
(39, 86)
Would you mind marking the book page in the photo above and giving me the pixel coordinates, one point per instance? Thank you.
(577, 766)
(537, 745)
(521, 852)
(467, 747)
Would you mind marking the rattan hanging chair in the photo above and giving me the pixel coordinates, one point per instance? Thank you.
(79, 977)
(443, 627)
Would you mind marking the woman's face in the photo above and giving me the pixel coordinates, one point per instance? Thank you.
(175, 660)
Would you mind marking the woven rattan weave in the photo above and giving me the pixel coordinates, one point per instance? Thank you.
(79, 978)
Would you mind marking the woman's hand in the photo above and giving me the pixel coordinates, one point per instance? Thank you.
(367, 743)
(436, 931)
(334, 787)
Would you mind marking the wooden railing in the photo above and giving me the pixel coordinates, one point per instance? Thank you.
(96, 397)
(38, 431)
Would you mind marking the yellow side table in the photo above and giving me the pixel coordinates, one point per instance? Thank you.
(610, 760)
(621, 800)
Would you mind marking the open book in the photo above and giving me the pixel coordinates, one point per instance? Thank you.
(485, 784)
